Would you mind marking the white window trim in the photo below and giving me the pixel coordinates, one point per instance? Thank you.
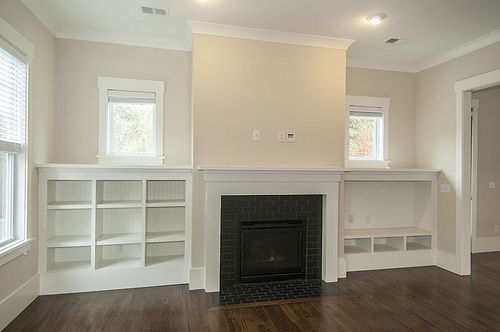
(124, 84)
(22, 228)
(380, 105)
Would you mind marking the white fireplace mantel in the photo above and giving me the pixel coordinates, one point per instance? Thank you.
(220, 181)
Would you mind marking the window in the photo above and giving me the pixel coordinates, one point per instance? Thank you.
(13, 110)
(366, 131)
(130, 122)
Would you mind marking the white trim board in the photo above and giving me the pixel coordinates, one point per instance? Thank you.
(485, 244)
(233, 31)
(463, 220)
(112, 37)
(18, 300)
(461, 50)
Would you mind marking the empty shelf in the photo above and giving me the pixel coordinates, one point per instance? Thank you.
(61, 241)
(385, 232)
(165, 203)
(153, 260)
(355, 250)
(416, 246)
(123, 238)
(158, 237)
(119, 204)
(384, 248)
(121, 263)
(69, 266)
(69, 205)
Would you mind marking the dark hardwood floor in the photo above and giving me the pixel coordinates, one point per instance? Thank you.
(415, 299)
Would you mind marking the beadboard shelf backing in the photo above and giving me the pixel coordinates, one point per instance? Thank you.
(389, 222)
(95, 223)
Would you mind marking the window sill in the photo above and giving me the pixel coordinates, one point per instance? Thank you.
(367, 164)
(130, 160)
(14, 250)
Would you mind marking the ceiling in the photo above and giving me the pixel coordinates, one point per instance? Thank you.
(433, 27)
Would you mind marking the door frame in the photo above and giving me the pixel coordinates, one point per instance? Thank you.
(463, 90)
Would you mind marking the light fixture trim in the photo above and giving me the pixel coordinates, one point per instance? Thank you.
(376, 18)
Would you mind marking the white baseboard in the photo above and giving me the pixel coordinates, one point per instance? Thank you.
(447, 261)
(197, 278)
(342, 267)
(485, 244)
(17, 301)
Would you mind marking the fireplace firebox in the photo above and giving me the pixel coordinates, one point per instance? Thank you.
(270, 238)
(272, 250)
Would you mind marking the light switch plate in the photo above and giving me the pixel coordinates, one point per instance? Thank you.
(281, 136)
(492, 185)
(445, 188)
(497, 229)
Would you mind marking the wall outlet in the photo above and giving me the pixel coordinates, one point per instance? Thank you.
(256, 135)
(290, 137)
(497, 229)
(281, 136)
(492, 185)
(350, 219)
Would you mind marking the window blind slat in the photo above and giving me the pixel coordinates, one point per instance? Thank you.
(13, 95)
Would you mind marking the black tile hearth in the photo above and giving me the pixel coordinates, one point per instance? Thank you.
(274, 291)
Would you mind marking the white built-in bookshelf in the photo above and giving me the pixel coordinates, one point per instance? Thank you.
(389, 219)
(109, 228)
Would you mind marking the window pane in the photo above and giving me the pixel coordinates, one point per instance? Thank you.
(363, 137)
(5, 222)
(132, 128)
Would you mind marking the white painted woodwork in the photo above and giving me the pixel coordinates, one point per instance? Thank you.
(111, 228)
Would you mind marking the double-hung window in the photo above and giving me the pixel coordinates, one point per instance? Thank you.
(130, 121)
(367, 132)
(13, 117)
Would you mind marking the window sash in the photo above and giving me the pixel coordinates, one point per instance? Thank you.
(9, 200)
(13, 97)
(110, 131)
(378, 139)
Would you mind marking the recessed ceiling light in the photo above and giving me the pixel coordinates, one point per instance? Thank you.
(376, 19)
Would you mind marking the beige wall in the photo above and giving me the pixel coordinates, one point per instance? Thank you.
(401, 89)
(240, 85)
(79, 63)
(435, 135)
(41, 118)
(488, 163)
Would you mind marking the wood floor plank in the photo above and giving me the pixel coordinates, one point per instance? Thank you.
(414, 299)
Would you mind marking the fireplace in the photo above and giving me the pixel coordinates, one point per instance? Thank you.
(270, 238)
(273, 250)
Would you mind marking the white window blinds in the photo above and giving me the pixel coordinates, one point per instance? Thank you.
(13, 97)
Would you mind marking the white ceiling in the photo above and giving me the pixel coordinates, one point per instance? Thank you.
(433, 26)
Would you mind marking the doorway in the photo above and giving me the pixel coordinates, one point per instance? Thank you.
(464, 164)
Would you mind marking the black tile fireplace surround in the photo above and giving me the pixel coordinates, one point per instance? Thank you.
(265, 238)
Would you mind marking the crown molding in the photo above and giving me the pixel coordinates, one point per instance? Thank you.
(380, 65)
(466, 48)
(42, 14)
(233, 31)
(124, 39)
